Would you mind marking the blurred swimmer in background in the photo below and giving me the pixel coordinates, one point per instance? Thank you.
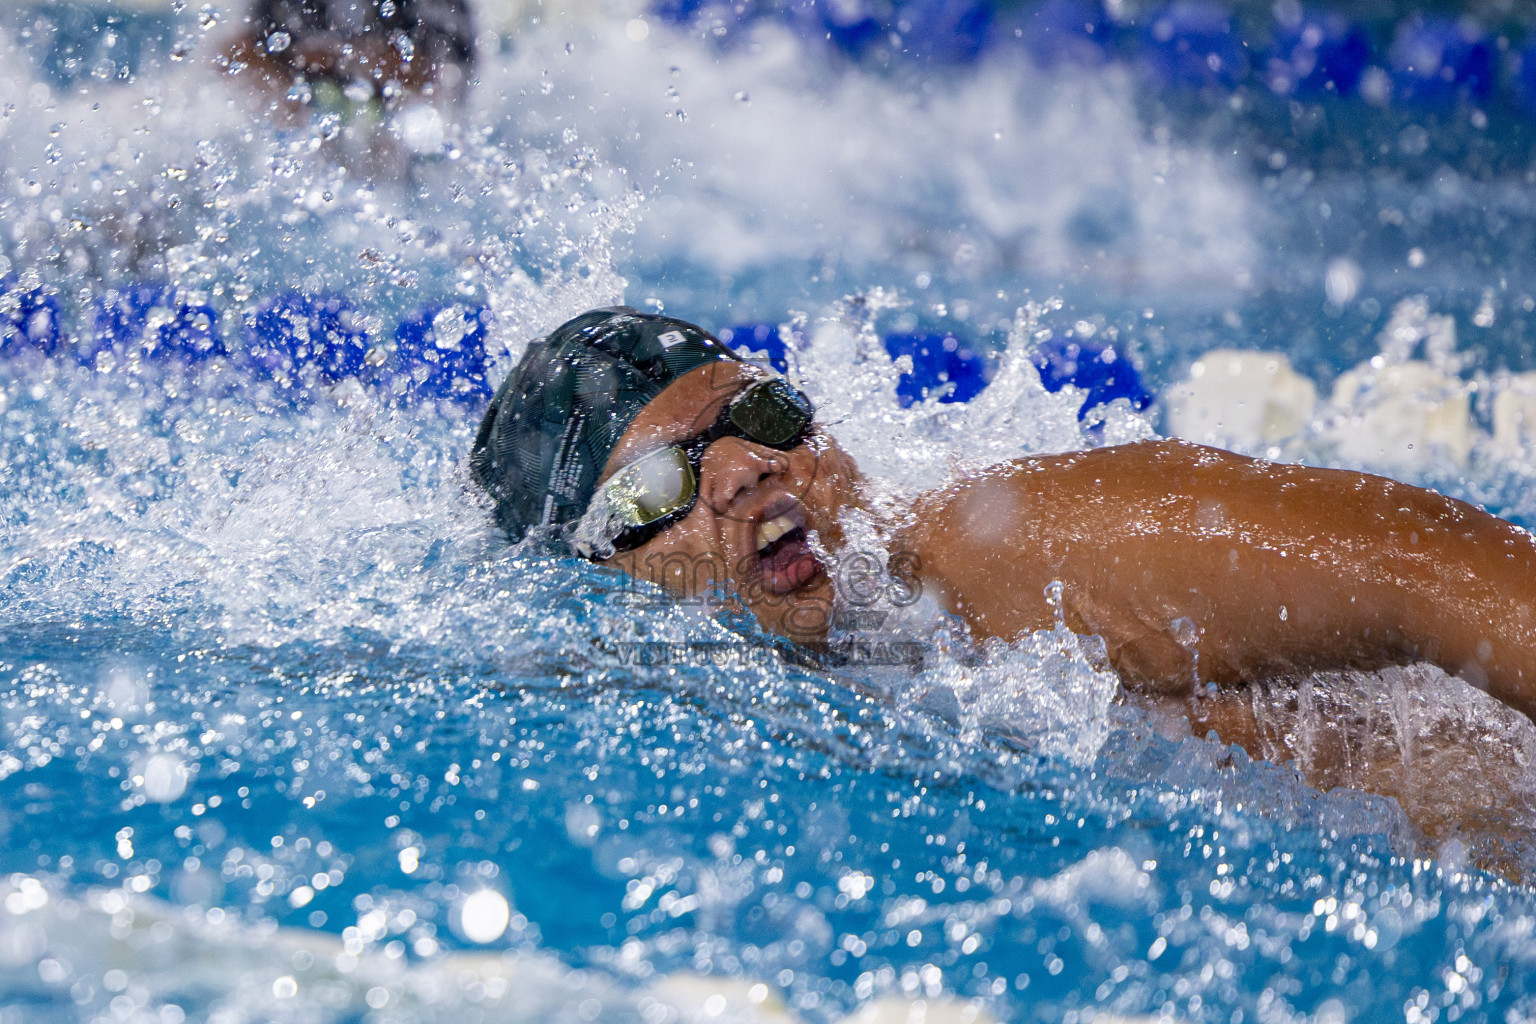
(642, 442)
(365, 49)
(361, 60)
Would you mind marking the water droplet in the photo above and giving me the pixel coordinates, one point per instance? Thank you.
(165, 778)
(484, 916)
(1342, 281)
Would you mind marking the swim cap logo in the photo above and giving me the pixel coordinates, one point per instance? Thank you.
(671, 339)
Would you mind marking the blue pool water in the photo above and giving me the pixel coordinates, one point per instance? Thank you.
(289, 733)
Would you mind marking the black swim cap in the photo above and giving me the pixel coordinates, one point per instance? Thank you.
(562, 409)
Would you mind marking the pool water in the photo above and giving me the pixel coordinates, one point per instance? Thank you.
(289, 733)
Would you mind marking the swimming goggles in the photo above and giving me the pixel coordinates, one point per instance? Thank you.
(653, 492)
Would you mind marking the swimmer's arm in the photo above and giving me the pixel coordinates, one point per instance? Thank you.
(1198, 564)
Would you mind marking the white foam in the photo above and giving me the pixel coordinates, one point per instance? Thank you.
(853, 381)
(1108, 876)
(1412, 410)
(1514, 415)
(892, 1010)
(1050, 691)
(1002, 166)
(214, 967)
(1247, 398)
(1398, 416)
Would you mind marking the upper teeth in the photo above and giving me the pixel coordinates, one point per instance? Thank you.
(773, 529)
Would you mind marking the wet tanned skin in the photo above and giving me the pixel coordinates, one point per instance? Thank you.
(1194, 563)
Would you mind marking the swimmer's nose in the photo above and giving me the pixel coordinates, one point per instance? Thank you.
(734, 467)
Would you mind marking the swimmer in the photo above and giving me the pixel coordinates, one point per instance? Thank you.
(356, 52)
(643, 443)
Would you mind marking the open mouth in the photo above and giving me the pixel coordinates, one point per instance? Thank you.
(784, 554)
(775, 534)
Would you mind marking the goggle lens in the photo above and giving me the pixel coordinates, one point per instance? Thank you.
(772, 413)
(652, 488)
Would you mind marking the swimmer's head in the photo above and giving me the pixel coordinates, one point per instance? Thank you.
(710, 467)
(561, 411)
(415, 44)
